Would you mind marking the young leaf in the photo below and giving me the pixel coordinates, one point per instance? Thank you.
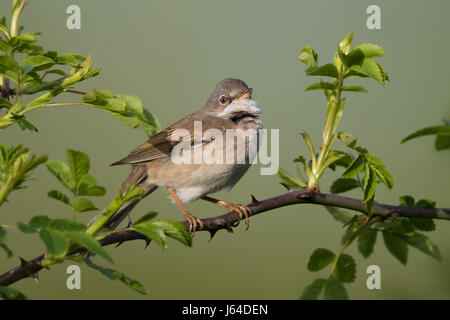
(290, 180)
(407, 201)
(88, 242)
(78, 164)
(335, 290)
(396, 246)
(345, 268)
(153, 232)
(354, 168)
(8, 293)
(36, 63)
(320, 258)
(327, 70)
(174, 230)
(62, 172)
(366, 241)
(372, 69)
(344, 184)
(55, 242)
(313, 290)
(369, 183)
(116, 275)
(57, 195)
(83, 205)
(308, 57)
(25, 228)
(87, 186)
(321, 86)
(371, 50)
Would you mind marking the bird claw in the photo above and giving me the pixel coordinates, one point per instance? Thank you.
(242, 210)
(193, 222)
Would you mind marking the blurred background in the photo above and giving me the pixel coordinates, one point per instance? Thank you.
(171, 54)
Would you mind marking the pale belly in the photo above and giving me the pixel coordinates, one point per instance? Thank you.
(193, 181)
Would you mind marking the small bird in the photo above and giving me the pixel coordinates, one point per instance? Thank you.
(229, 107)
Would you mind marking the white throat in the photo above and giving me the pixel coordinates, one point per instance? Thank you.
(240, 107)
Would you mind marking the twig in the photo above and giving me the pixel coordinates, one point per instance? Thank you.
(226, 221)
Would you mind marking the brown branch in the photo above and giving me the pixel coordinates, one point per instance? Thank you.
(231, 219)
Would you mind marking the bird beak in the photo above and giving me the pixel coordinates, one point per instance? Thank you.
(244, 95)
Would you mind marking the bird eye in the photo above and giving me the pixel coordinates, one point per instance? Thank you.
(223, 99)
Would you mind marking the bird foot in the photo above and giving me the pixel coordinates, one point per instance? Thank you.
(242, 210)
(193, 222)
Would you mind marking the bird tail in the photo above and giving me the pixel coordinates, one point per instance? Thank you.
(137, 176)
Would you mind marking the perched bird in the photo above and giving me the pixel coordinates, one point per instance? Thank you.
(154, 163)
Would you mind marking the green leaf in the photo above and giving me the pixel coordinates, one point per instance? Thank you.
(422, 243)
(146, 217)
(87, 186)
(442, 142)
(8, 293)
(396, 246)
(64, 225)
(332, 157)
(83, 205)
(55, 242)
(345, 268)
(36, 63)
(355, 167)
(313, 290)
(72, 59)
(335, 290)
(116, 275)
(153, 232)
(57, 195)
(344, 184)
(355, 57)
(346, 42)
(78, 164)
(369, 183)
(175, 230)
(423, 224)
(366, 241)
(39, 222)
(427, 131)
(88, 242)
(354, 89)
(321, 86)
(426, 203)
(372, 69)
(25, 228)
(150, 123)
(62, 172)
(290, 180)
(327, 70)
(308, 57)
(320, 258)
(371, 50)
(407, 201)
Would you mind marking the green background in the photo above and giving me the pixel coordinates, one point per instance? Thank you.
(171, 54)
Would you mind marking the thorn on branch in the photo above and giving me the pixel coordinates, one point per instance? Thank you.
(147, 242)
(254, 201)
(211, 235)
(228, 227)
(288, 188)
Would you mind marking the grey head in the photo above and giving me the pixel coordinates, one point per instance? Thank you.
(225, 92)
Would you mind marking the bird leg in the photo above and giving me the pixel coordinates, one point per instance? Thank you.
(242, 210)
(193, 221)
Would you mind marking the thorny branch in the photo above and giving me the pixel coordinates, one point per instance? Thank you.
(231, 219)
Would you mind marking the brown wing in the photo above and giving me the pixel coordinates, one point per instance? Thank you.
(161, 145)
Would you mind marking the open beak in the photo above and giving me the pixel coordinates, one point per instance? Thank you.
(244, 95)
